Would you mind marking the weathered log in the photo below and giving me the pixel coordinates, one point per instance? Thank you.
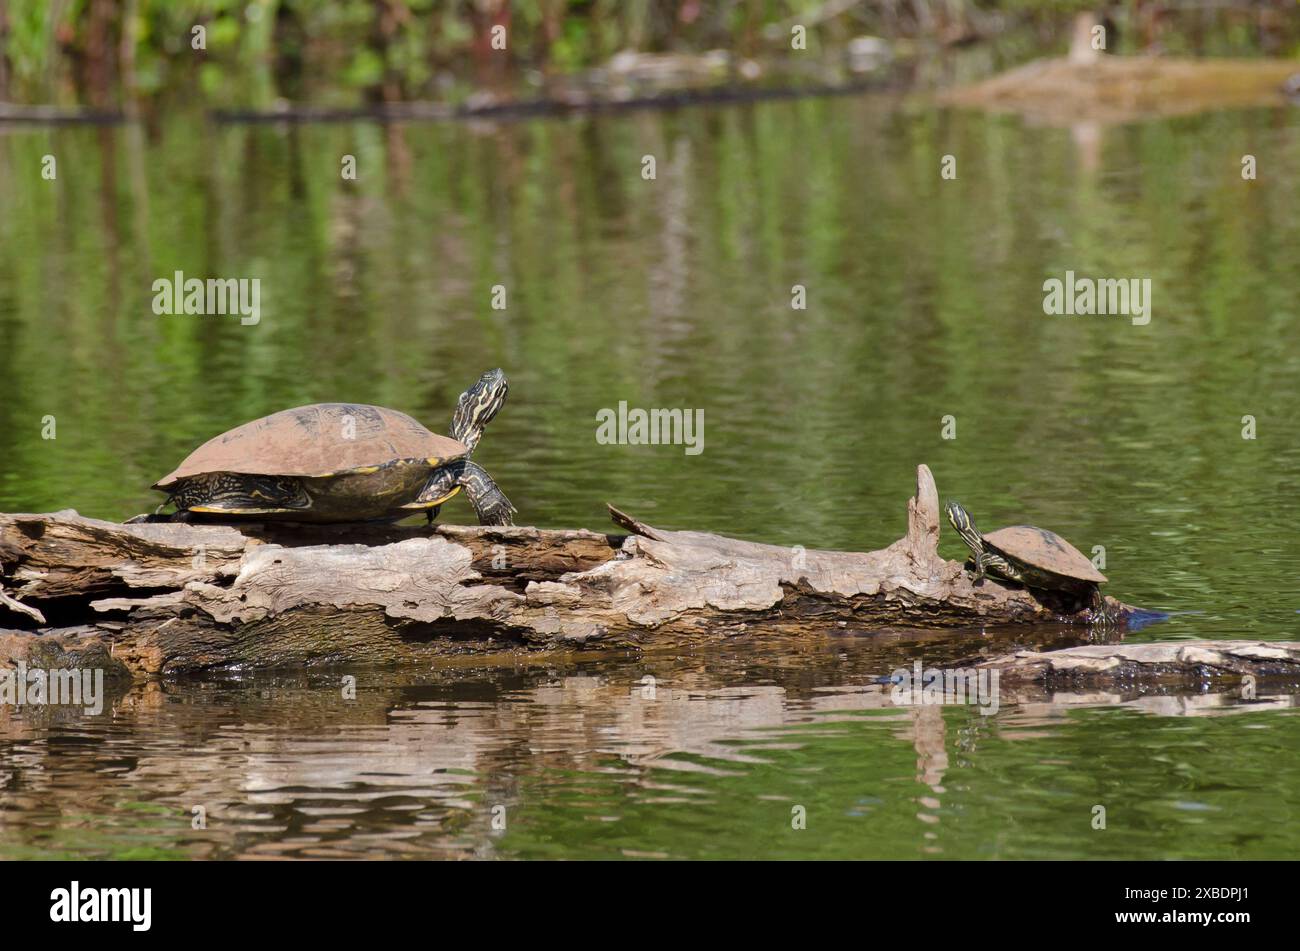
(1170, 663)
(12, 112)
(171, 597)
(1114, 89)
(559, 102)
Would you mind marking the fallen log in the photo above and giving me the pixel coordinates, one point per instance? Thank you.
(1117, 89)
(1169, 663)
(172, 597)
(561, 102)
(17, 113)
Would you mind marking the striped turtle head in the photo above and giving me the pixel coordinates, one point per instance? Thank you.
(965, 526)
(477, 406)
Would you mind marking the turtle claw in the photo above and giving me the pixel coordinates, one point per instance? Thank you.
(154, 518)
(490, 503)
(1099, 612)
(496, 514)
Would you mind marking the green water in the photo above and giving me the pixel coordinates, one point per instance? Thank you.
(924, 301)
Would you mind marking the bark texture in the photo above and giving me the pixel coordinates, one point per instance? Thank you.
(1171, 662)
(166, 598)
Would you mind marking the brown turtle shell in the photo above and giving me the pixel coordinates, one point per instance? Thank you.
(311, 441)
(1044, 550)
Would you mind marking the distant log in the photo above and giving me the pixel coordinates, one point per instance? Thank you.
(1115, 89)
(1169, 663)
(176, 597)
(16, 113)
(560, 102)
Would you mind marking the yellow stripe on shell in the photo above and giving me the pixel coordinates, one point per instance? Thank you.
(217, 510)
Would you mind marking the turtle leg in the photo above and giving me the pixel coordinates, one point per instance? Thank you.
(986, 562)
(1007, 570)
(1098, 604)
(441, 486)
(490, 503)
(151, 517)
(148, 518)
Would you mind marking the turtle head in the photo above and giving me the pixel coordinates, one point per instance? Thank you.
(477, 406)
(965, 526)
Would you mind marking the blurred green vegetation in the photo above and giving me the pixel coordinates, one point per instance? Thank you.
(109, 52)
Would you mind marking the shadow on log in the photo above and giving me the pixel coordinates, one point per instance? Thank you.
(168, 598)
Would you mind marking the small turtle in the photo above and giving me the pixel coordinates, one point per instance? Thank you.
(1032, 556)
(342, 462)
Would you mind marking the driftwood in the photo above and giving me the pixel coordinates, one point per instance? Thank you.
(560, 102)
(1114, 89)
(173, 597)
(55, 115)
(1172, 663)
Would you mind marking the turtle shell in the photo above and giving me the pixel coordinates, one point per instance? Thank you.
(1044, 550)
(317, 441)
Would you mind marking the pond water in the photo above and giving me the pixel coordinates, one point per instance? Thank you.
(924, 319)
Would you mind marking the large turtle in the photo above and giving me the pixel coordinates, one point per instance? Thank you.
(342, 462)
(1032, 556)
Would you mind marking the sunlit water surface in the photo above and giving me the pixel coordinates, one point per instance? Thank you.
(924, 301)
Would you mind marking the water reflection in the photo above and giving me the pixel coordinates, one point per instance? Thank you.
(659, 747)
